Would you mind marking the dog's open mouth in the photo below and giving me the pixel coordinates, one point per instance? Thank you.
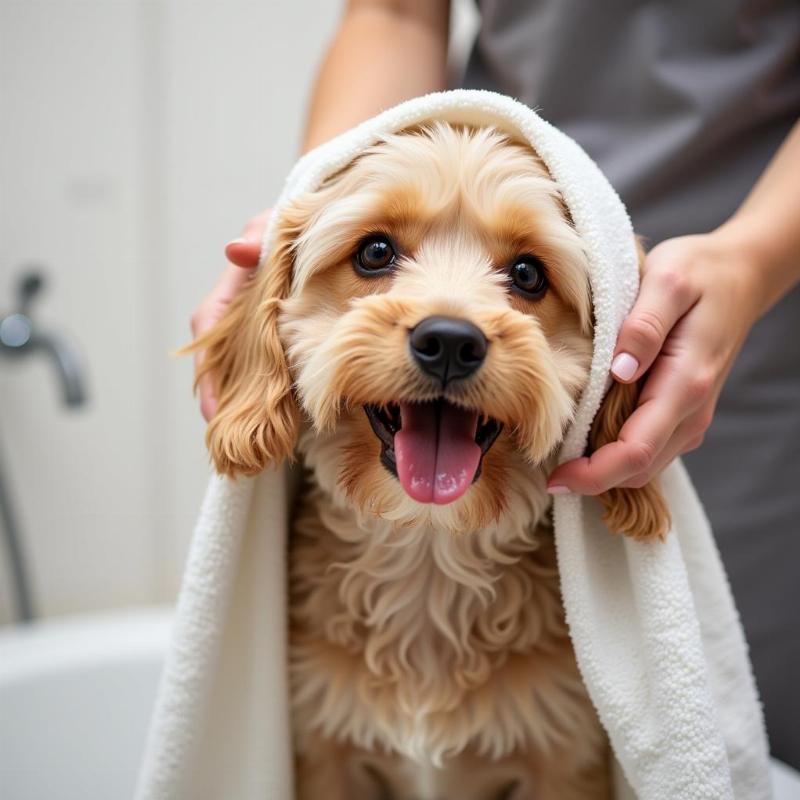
(434, 449)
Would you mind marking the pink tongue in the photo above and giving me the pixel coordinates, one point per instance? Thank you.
(436, 451)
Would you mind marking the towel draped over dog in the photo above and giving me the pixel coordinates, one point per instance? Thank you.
(655, 631)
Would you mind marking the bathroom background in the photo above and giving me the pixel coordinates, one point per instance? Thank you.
(136, 138)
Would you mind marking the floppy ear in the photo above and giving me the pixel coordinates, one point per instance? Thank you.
(639, 513)
(257, 416)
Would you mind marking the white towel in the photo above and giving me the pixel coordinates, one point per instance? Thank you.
(656, 634)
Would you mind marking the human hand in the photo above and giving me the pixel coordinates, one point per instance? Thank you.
(699, 297)
(243, 255)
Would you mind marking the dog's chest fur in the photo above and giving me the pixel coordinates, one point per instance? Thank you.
(428, 644)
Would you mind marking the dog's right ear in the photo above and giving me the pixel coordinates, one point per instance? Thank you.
(257, 417)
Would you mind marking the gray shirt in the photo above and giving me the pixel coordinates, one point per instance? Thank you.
(682, 104)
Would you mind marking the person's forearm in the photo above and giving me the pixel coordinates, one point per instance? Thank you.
(385, 51)
(768, 223)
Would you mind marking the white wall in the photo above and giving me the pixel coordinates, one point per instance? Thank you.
(136, 137)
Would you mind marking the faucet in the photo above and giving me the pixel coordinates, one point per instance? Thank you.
(19, 337)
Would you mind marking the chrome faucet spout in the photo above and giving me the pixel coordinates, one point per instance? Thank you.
(20, 337)
(66, 361)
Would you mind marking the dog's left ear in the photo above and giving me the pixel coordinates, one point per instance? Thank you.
(639, 513)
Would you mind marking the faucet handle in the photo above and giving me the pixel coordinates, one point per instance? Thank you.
(29, 285)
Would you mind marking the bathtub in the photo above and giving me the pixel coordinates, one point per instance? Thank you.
(75, 699)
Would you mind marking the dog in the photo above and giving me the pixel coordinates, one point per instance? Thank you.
(418, 338)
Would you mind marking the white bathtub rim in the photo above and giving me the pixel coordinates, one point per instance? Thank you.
(72, 643)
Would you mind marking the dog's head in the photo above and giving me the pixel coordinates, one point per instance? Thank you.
(423, 325)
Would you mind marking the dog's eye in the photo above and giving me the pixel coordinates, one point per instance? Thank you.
(528, 277)
(374, 256)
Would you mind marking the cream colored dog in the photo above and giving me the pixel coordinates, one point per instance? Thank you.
(419, 337)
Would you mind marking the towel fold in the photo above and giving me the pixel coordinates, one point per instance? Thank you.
(656, 635)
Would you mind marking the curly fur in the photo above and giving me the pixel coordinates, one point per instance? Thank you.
(428, 642)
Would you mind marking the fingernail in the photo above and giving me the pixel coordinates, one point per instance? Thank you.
(558, 488)
(624, 366)
(243, 253)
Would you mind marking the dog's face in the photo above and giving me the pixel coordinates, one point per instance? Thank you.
(439, 330)
(429, 311)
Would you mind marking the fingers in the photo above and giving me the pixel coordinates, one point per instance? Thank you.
(688, 436)
(641, 440)
(664, 297)
(683, 333)
(245, 251)
(208, 395)
(230, 284)
(243, 254)
(671, 419)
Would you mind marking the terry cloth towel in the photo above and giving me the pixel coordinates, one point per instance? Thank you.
(657, 637)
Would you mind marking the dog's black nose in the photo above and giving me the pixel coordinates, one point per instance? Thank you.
(447, 348)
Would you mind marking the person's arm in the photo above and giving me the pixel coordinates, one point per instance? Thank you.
(700, 296)
(384, 51)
